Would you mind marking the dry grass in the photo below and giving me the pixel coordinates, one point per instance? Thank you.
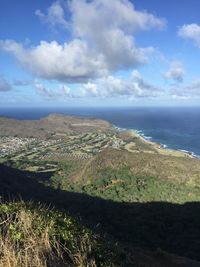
(28, 240)
(21, 245)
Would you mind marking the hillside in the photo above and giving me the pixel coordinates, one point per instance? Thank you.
(148, 231)
(124, 176)
(37, 235)
(51, 125)
(141, 201)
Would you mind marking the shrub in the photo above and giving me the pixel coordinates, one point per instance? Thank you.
(33, 235)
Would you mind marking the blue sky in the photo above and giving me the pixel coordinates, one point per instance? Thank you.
(99, 53)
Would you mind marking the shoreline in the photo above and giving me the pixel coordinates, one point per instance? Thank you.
(155, 145)
(161, 148)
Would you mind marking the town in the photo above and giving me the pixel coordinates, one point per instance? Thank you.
(32, 151)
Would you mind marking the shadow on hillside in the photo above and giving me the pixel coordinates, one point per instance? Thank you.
(171, 227)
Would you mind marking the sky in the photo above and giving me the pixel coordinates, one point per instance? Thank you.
(74, 53)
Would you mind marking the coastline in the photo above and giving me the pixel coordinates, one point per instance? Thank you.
(155, 146)
(160, 148)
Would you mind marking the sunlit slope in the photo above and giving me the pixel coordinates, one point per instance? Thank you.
(121, 175)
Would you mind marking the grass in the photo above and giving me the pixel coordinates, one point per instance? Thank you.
(34, 235)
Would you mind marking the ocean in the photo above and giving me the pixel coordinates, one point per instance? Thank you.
(174, 127)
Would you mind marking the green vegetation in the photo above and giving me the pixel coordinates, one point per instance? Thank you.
(33, 165)
(61, 180)
(114, 200)
(113, 189)
(34, 235)
(123, 185)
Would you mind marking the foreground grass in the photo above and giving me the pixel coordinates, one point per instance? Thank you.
(34, 235)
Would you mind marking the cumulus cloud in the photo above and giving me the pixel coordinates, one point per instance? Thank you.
(4, 85)
(55, 15)
(72, 62)
(103, 41)
(190, 31)
(109, 86)
(135, 87)
(109, 27)
(102, 14)
(175, 72)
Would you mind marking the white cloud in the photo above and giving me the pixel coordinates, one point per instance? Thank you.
(55, 15)
(135, 86)
(102, 42)
(103, 14)
(72, 62)
(4, 85)
(175, 72)
(190, 31)
(109, 27)
(60, 92)
(105, 87)
(188, 91)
